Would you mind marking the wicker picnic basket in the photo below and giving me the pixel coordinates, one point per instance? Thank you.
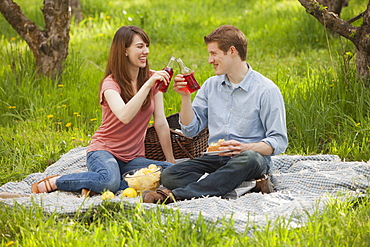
(183, 147)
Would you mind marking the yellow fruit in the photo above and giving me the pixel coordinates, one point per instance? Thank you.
(107, 195)
(129, 192)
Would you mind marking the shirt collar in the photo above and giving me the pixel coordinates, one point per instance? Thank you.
(244, 84)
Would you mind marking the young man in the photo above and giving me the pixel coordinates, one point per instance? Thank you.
(238, 105)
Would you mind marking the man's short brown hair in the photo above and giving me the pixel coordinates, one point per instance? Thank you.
(226, 36)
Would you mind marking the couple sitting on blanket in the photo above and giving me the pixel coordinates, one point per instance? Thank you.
(238, 105)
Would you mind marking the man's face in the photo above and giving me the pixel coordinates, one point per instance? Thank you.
(222, 62)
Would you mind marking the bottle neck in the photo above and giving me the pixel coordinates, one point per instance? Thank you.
(171, 63)
(183, 68)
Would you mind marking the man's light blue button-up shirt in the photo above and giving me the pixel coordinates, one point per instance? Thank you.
(253, 111)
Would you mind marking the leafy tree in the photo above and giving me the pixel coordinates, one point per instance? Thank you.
(49, 45)
(359, 36)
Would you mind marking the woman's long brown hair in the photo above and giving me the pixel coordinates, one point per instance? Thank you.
(118, 61)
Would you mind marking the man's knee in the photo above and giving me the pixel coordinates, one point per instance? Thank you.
(166, 176)
(248, 156)
(251, 160)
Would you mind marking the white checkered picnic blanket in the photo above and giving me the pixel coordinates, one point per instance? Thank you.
(302, 184)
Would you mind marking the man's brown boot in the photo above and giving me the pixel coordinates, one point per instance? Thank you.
(162, 196)
(264, 185)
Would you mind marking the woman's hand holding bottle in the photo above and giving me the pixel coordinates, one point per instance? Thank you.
(161, 76)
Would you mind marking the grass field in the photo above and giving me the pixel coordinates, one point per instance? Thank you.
(327, 112)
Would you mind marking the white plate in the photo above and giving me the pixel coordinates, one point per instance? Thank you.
(216, 152)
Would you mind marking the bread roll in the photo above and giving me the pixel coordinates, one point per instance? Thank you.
(214, 146)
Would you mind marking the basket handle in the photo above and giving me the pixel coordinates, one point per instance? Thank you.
(184, 149)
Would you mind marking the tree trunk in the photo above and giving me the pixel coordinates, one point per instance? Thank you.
(360, 36)
(76, 10)
(362, 42)
(49, 47)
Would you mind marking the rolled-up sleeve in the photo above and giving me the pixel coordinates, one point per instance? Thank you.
(274, 120)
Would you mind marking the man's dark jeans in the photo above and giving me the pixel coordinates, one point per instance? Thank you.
(225, 174)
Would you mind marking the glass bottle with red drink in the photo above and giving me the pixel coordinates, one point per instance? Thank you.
(192, 84)
(161, 85)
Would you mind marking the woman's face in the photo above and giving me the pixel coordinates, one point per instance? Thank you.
(138, 52)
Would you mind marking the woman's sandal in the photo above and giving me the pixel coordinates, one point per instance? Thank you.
(46, 181)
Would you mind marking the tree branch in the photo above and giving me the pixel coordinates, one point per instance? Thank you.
(27, 29)
(353, 19)
(329, 19)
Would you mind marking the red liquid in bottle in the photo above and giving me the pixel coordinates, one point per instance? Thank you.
(161, 85)
(192, 84)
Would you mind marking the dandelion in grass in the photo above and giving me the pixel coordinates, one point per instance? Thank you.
(170, 109)
(50, 116)
(91, 18)
(12, 107)
(93, 119)
(9, 243)
(60, 85)
(107, 17)
(358, 124)
(101, 34)
(68, 125)
(151, 121)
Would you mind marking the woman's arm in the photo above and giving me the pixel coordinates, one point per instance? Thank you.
(126, 112)
(162, 128)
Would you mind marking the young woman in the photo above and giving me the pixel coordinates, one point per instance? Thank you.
(129, 99)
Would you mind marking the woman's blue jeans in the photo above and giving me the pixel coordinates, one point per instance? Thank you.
(225, 174)
(104, 173)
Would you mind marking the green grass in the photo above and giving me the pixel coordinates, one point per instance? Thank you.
(327, 110)
(113, 224)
